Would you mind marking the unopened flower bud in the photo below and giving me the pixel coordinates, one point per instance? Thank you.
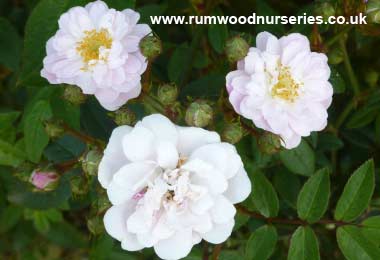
(373, 11)
(236, 49)
(91, 162)
(325, 9)
(124, 116)
(95, 225)
(46, 181)
(232, 133)
(336, 56)
(150, 47)
(372, 77)
(74, 95)
(269, 143)
(199, 114)
(54, 129)
(167, 93)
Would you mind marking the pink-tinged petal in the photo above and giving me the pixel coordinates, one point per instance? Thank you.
(96, 10)
(133, 65)
(141, 30)
(268, 42)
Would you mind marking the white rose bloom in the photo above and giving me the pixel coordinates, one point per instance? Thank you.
(282, 87)
(170, 186)
(97, 49)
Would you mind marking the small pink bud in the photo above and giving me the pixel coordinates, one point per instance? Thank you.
(43, 180)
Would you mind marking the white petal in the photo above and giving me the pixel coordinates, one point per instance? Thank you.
(167, 155)
(138, 144)
(202, 205)
(206, 175)
(137, 223)
(115, 220)
(161, 127)
(113, 157)
(223, 210)
(222, 156)
(219, 233)
(190, 138)
(239, 187)
(130, 243)
(176, 247)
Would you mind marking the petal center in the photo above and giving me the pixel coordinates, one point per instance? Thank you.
(94, 46)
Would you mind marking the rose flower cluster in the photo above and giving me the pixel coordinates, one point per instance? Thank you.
(172, 186)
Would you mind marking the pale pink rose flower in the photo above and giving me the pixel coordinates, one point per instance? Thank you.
(97, 49)
(283, 87)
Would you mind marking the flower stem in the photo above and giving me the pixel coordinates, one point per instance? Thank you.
(301, 222)
(350, 72)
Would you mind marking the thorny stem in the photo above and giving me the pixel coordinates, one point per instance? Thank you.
(85, 138)
(301, 222)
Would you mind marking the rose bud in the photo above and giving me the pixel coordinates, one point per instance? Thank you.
(236, 49)
(46, 181)
(232, 133)
(199, 114)
(124, 116)
(74, 95)
(167, 93)
(150, 47)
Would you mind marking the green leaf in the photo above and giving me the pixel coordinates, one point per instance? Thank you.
(314, 196)
(121, 4)
(329, 142)
(366, 114)
(371, 229)
(261, 243)
(218, 33)
(10, 45)
(41, 25)
(303, 245)
(354, 245)
(264, 196)
(9, 218)
(66, 236)
(357, 193)
(10, 155)
(288, 186)
(299, 160)
(181, 55)
(36, 138)
(8, 118)
(64, 149)
(151, 9)
(209, 86)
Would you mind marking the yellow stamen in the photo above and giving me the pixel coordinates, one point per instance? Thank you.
(93, 40)
(286, 88)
